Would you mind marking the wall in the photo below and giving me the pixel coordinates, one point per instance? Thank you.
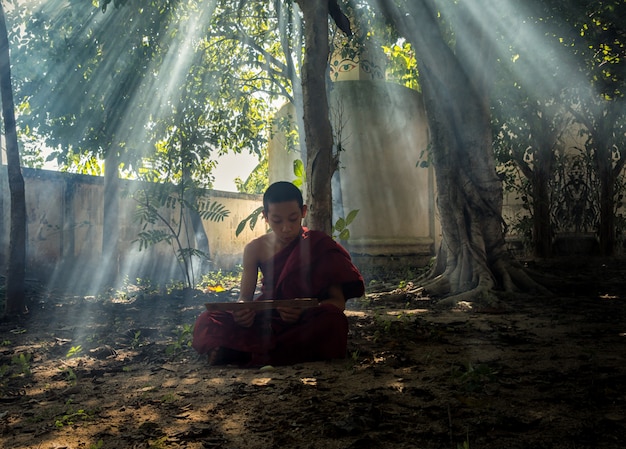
(64, 231)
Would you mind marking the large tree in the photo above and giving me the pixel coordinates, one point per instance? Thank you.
(15, 280)
(317, 128)
(455, 80)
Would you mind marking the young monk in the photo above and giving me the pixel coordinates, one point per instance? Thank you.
(295, 263)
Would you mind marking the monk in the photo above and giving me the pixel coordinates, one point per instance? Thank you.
(295, 263)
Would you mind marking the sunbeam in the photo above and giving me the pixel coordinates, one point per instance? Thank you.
(458, 129)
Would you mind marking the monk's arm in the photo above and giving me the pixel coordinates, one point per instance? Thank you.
(250, 273)
(335, 297)
(249, 278)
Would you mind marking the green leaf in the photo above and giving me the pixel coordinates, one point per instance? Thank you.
(300, 172)
(351, 216)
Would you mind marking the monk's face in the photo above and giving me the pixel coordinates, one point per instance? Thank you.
(285, 220)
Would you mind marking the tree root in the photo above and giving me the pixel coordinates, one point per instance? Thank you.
(488, 284)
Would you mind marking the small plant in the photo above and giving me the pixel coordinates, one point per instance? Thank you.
(169, 398)
(352, 361)
(70, 375)
(474, 377)
(172, 208)
(74, 351)
(160, 443)
(22, 362)
(136, 340)
(71, 416)
(98, 445)
(218, 281)
(183, 340)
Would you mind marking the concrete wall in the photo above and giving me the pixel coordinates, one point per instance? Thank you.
(65, 225)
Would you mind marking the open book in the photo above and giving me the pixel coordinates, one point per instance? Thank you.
(267, 304)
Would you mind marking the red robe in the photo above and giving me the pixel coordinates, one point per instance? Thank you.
(304, 269)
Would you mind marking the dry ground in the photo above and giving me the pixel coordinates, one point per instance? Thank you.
(534, 373)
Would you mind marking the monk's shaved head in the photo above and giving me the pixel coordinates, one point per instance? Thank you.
(281, 192)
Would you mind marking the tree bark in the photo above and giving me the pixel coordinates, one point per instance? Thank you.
(542, 233)
(110, 225)
(16, 272)
(608, 171)
(317, 128)
(546, 127)
(454, 85)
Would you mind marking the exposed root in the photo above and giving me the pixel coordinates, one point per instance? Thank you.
(515, 278)
(439, 286)
(504, 275)
(485, 297)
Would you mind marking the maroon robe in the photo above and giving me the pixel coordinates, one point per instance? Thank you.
(304, 269)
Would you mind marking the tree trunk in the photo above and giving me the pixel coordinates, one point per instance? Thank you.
(542, 233)
(110, 225)
(317, 128)
(200, 238)
(454, 86)
(607, 176)
(16, 272)
(608, 170)
(548, 130)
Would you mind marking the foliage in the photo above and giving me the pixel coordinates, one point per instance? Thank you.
(402, 64)
(22, 362)
(74, 351)
(72, 415)
(257, 182)
(299, 172)
(340, 228)
(164, 211)
(97, 445)
(205, 69)
(472, 377)
(183, 340)
(219, 281)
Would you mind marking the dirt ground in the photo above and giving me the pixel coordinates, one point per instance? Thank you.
(535, 372)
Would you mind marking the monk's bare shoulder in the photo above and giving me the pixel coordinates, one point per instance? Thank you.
(260, 249)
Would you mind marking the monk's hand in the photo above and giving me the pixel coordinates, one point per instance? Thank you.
(244, 317)
(289, 314)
